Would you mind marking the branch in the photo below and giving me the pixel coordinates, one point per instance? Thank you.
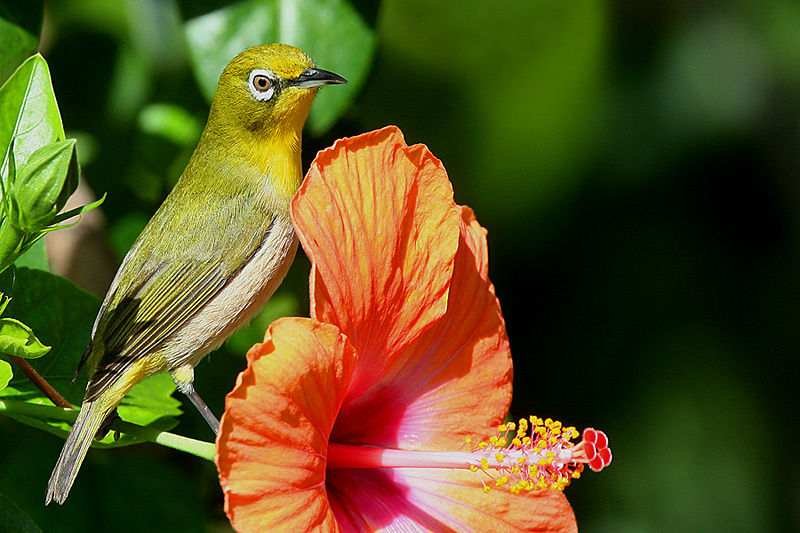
(40, 382)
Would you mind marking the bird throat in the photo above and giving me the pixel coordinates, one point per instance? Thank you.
(263, 165)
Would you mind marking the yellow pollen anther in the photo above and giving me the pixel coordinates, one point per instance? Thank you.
(486, 489)
(539, 452)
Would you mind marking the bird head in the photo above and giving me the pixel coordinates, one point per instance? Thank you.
(268, 87)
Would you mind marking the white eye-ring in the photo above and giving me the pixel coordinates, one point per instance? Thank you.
(261, 86)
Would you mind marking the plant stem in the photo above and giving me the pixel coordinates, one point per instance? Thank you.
(40, 382)
(199, 448)
(38, 411)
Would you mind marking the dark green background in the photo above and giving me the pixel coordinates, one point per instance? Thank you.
(636, 164)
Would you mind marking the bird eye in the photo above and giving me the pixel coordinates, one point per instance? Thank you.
(261, 86)
(261, 83)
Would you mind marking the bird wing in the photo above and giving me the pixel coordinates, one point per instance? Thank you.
(157, 293)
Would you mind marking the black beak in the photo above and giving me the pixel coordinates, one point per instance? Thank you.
(314, 77)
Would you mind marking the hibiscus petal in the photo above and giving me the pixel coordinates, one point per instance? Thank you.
(440, 500)
(274, 434)
(454, 380)
(378, 221)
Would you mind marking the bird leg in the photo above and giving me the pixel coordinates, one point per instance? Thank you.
(201, 406)
(183, 376)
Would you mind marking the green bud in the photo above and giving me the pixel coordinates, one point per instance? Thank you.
(12, 243)
(42, 186)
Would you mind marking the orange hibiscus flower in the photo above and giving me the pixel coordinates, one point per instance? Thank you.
(358, 418)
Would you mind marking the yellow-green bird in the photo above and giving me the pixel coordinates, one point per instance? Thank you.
(213, 253)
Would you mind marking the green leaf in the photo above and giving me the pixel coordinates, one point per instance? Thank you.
(76, 212)
(34, 257)
(171, 122)
(42, 185)
(5, 374)
(3, 302)
(151, 404)
(28, 113)
(330, 31)
(18, 339)
(20, 25)
(13, 519)
(62, 316)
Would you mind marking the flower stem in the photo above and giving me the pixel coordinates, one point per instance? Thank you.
(202, 449)
(37, 411)
(199, 448)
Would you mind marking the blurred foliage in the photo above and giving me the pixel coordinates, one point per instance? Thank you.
(14, 520)
(331, 31)
(636, 165)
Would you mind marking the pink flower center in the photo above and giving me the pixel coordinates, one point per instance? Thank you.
(545, 459)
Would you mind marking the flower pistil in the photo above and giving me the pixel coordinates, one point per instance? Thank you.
(533, 454)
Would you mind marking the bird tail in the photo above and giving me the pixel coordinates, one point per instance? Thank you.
(90, 419)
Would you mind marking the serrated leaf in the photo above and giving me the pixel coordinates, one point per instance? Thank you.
(61, 314)
(18, 339)
(5, 374)
(20, 25)
(28, 113)
(330, 31)
(13, 519)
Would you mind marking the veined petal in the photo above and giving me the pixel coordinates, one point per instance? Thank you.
(378, 221)
(439, 500)
(454, 380)
(273, 436)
